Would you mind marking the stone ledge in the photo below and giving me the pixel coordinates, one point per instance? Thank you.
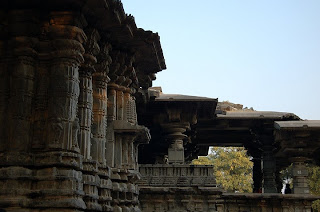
(270, 196)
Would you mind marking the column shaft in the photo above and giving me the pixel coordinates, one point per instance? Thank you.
(112, 104)
(300, 176)
(64, 86)
(257, 174)
(85, 112)
(269, 169)
(99, 128)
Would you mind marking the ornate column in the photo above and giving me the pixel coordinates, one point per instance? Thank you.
(114, 142)
(115, 107)
(64, 86)
(120, 103)
(125, 150)
(90, 167)
(118, 151)
(99, 127)
(126, 104)
(59, 166)
(174, 135)
(17, 90)
(131, 156)
(86, 92)
(22, 77)
(112, 105)
(300, 175)
(41, 98)
(119, 137)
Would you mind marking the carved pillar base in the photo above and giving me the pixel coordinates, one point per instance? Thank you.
(58, 182)
(104, 173)
(116, 189)
(90, 185)
(15, 183)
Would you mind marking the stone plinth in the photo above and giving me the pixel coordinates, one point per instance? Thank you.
(265, 202)
(177, 188)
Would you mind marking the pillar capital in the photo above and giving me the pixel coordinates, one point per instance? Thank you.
(92, 49)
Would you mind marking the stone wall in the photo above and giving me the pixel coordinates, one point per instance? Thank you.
(177, 188)
(189, 188)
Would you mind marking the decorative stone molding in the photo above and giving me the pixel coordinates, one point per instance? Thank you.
(163, 175)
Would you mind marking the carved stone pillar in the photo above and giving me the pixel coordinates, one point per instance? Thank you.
(300, 175)
(118, 151)
(120, 103)
(91, 180)
(86, 93)
(59, 166)
(125, 151)
(174, 135)
(64, 86)
(131, 156)
(126, 106)
(21, 87)
(128, 148)
(41, 100)
(99, 127)
(112, 101)
(112, 105)
(100, 104)
(104, 188)
(18, 52)
(269, 169)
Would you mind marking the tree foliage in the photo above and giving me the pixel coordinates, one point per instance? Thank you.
(202, 161)
(314, 185)
(232, 167)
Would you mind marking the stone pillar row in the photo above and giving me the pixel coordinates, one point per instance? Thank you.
(58, 148)
(122, 146)
(266, 175)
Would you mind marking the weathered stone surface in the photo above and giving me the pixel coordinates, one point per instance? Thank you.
(74, 79)
(56, 149)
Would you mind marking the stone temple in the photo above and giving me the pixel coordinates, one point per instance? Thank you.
(82, 128)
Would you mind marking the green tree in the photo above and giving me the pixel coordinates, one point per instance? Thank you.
(314, 185)
(202, 160)
(232, 167)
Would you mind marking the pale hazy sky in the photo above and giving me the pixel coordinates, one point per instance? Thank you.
(263, 54)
